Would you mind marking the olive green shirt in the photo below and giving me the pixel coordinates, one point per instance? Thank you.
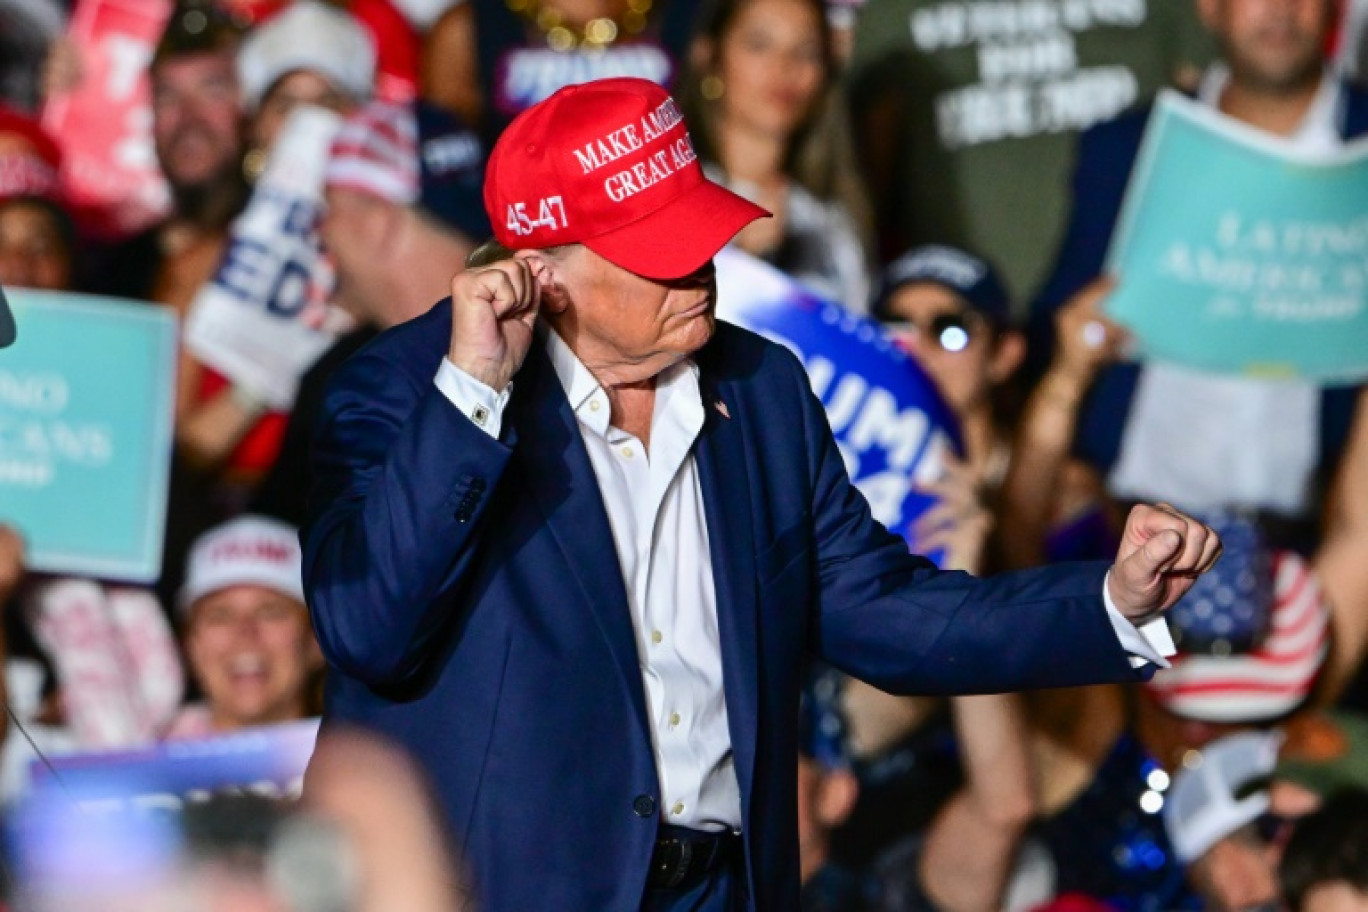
(982, 100)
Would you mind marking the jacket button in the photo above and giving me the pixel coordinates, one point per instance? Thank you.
(644, 806)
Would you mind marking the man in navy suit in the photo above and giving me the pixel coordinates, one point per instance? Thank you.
(573, 540)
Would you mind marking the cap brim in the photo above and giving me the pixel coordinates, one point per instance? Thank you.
(679, 237)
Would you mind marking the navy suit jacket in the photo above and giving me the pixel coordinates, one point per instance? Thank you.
(1104, 160)
(467, 594)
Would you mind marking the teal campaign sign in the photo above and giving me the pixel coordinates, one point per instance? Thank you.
(1236, 252)
(86, 397)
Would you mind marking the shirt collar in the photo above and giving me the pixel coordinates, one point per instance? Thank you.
(1319, 128)
(676, 386)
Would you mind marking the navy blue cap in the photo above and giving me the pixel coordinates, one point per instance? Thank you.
(451, 160)
(7, 331)
(970, 277)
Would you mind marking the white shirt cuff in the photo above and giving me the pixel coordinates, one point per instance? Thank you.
(475, 400)
(1150, 643)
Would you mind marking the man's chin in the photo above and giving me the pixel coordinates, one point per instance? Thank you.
(1281, 76)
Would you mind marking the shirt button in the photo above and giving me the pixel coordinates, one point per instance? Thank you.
(644, 806)
(656, 637)
(678, 808)
(593, 405)
(626, 452)
(674, 719)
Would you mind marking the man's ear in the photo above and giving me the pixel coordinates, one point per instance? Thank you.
(1008, 353)
(546, 270)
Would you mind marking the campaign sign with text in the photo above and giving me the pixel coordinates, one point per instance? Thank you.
(86, 399)
(1237, 254)
(891, 425)
(109, 171)
(112, 824)
(261, 320)
(268, 760)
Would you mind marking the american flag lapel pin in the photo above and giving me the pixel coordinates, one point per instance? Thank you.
(722, 408)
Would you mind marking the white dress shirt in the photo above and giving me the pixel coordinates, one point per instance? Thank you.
(655, 509)
(660, 531)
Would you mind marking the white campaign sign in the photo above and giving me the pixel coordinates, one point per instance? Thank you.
(260, 320)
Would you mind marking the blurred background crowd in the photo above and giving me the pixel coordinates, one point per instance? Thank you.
(953, 169)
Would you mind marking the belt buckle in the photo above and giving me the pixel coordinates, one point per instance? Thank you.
(665, 863)
(671, 862)
(682, 869)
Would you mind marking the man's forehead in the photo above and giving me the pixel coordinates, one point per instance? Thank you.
(1242, 7)
(195, 66)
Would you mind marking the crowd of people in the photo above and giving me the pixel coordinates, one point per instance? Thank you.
(952, 169)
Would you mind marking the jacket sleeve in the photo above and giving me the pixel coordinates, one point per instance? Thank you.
(401, 481)
(891, 618)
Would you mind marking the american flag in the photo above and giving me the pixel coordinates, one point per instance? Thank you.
(1270, 679)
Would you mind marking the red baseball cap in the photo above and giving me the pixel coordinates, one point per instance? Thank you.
(30, 160)
(609, 164)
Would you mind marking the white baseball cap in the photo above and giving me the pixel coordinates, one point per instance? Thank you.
(249, 550)
(1207, 801)
(307, 35)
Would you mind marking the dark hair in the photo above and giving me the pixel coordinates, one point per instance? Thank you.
(820, 155)
(61, 220)
(196, 27)
(1327, 846)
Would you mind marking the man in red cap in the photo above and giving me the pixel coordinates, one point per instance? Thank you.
(572, 540)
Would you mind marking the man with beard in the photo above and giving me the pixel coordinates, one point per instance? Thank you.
(197, 129)
(1271, 77)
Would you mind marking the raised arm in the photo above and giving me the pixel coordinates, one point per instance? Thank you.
(1043, 482)
(895, 621)
(404, 474)
(1339, 562)
(971, 845)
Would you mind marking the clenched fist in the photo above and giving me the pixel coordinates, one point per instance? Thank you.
(1162, 553)
(493, 312)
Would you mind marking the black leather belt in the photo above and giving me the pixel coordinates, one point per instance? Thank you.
(683, 856)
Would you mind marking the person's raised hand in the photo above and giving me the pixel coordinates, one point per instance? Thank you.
(493, 313)
(959, 522)
(1085, 339)
(1162, 553)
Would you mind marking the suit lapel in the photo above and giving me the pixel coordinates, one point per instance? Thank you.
(722, 460)
(563, 484)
